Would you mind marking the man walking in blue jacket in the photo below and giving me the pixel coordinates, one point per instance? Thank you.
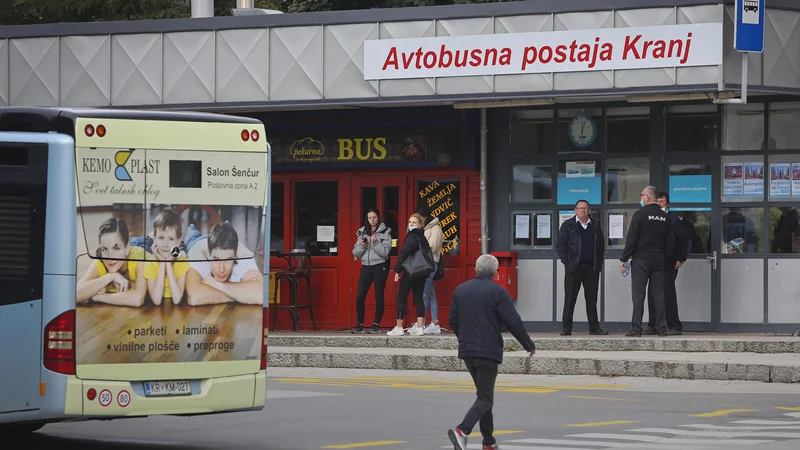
(478, 310)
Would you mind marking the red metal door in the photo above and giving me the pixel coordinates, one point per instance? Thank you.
(387, 194)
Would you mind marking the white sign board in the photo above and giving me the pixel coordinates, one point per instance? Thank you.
(544, 52)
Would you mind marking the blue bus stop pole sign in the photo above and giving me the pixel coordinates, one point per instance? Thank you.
(748, 29)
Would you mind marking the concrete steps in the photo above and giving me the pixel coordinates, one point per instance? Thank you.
(694, 357)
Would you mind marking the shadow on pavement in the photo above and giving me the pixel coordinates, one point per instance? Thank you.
(45, 441)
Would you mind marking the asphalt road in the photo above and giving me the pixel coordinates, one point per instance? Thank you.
(385, 410)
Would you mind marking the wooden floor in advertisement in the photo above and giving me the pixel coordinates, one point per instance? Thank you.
(108, 334)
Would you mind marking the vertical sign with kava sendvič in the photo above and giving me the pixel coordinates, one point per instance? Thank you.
(442, 197)
(748, 31)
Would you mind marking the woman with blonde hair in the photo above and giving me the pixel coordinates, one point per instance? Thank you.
(415, 241)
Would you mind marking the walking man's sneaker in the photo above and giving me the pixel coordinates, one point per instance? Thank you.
(650, 331)
(491, 447)
(358, 329)
(374, 329)
(458, 438)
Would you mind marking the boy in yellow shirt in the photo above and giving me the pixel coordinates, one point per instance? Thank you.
(166, 277)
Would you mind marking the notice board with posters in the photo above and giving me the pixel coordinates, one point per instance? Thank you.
(443, 198)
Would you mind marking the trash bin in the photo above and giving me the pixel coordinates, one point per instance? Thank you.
(507, 272)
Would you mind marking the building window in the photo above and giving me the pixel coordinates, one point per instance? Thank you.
(784, 229)
(532, 183)
(697, 222)
(692, 128)
(276, 228)
(784, 177)
(532, 230)
(743, 127)
(743, 178)
(616, 225)
(628, 130)
(580, 130)
(579, 180)
(742, 230)
(690, 183)
(533, 132)
(316, 211)
(784, 134)
(625, 179)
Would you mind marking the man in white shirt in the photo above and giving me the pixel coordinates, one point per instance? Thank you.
(224, 279)
(581, 247)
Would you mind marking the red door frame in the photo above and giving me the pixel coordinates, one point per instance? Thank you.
(331, 309)
(341, 302)
(390, 292)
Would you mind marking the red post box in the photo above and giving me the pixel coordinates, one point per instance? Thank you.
(507, 272)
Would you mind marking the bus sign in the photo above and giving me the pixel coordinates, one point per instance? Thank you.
(748, 31)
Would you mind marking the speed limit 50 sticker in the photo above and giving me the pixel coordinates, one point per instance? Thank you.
(105, 397)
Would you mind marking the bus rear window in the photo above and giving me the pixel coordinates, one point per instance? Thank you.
(185, 174)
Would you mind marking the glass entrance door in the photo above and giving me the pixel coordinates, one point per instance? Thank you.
(387, 195)
(692, 187)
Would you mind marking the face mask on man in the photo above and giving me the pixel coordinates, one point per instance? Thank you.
(642, 203)
(411, 227)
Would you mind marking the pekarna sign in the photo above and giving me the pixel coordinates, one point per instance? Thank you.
(545, 52)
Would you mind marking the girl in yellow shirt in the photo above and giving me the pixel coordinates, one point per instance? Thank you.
(120, 279)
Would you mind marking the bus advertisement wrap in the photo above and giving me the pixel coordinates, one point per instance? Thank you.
(170, 258)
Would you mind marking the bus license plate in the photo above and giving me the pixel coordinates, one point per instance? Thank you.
(161, 388)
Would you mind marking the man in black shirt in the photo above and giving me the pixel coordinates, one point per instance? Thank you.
(580, 248)
(650, 240)
(683, 245)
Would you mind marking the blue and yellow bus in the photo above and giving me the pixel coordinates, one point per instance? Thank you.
(132, 268)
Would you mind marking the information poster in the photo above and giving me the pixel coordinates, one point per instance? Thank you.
(167, 262)
(522, 226)
(563, 216)
(580, 169)
(690, 188)
(779, 179)
(443, 198)
(795, 179)
(734, 180)
(753, 179)
(616, 226)
(570, 190)
(543, 226)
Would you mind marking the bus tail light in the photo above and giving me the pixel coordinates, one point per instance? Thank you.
(264, 337)
(59, 344)
(101, 130)
(245, 135)
(254, 135)
(89, 130)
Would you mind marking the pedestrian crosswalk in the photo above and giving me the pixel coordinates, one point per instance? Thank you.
(695, 436)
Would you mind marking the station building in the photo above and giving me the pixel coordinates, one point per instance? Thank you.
(500, 116)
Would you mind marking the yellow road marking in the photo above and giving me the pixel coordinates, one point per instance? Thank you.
(602, 424)
(604, 398)
(722, 412)
(789, 408)
(442, 385)
(365, 444)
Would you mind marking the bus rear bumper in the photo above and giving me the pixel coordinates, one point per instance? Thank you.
(127, 398)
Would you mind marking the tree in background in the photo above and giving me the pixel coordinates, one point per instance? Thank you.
(23, 12)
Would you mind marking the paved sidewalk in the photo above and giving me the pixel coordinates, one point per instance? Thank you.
(773, 367)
